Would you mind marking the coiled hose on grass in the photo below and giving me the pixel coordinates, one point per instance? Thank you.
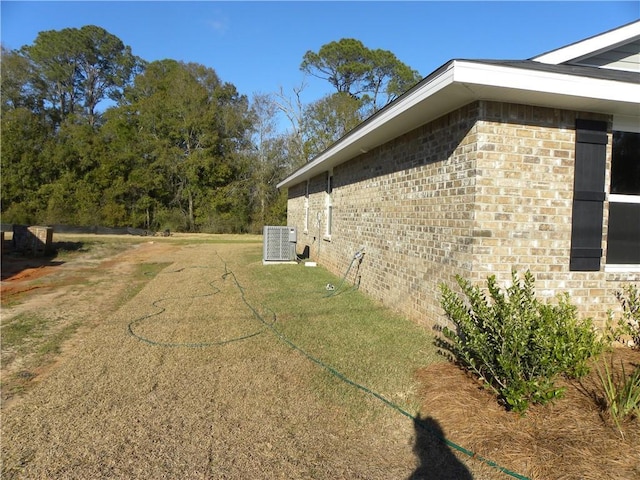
(131, 327)
(270, 326)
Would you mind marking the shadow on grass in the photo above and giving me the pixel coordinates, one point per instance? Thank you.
(61, 247)
(15, 262)
(437, 461)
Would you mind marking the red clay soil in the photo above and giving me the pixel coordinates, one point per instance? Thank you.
(20, 269)
(16, 271)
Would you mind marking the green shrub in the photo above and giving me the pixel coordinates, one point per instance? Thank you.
(515, 344)
(628, 325)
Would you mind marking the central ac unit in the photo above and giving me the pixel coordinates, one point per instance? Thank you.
(279, 244)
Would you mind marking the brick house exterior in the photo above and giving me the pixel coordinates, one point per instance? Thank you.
(482, 168)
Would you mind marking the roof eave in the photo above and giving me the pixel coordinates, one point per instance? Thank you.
(592, 45)
(461, 82)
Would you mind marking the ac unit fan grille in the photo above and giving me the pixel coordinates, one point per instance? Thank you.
(278, 246)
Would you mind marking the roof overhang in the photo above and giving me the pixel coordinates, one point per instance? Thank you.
(592, 46)
(461, 82)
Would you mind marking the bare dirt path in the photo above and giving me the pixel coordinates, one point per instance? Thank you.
(181, 398)
(68, 295)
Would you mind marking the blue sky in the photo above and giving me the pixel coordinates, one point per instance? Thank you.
(258, 46)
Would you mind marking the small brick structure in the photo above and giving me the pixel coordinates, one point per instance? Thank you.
(32, 240)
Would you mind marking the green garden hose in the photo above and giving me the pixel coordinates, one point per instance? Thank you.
(215, 290)
(271, 326)
(359, 255)
(418, 421)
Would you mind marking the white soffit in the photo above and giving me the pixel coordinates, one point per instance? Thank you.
(551, 89)
(591, 46)
(626, 123)
(461, 82)
(404, 115)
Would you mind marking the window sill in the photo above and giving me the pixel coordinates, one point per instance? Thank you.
(628, 198)
(327, 238)
(622, 268)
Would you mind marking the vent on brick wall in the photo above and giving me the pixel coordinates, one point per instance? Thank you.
(279, 244)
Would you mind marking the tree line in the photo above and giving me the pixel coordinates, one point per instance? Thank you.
(93, 135)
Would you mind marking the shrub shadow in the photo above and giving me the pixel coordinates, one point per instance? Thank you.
(437, 461)
(15, 261)
(59, 247)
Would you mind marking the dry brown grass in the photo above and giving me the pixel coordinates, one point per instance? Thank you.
(116, 406)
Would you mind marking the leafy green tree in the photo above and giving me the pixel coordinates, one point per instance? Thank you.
(174, 152)
(328, 119)
(133, 185)
(52, 56)
(105, 66)
(65, 190)
(79, 68)
(189, 128)
(24, 138)
(375, 76)
(387, 79)
(20, 87)
(344, 64)
(25, 141)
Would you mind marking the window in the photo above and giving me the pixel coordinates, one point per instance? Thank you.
(328, 206)
(623, 238)
(306, 208)
(625, 164)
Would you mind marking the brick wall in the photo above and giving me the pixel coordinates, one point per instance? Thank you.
(482, 190)
(32, 240)
(524, 202)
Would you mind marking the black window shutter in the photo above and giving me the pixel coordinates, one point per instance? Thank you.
(588, 195)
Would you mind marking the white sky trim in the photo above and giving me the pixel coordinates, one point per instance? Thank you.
(546, 82)
(483, 82)
(591, 46)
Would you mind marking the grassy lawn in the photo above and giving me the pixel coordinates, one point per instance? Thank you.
(350, 337)
(256, 371)
(322, 391)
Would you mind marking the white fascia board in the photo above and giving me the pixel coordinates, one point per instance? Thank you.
(540, 82)
(462, 82)
(591, 46)
(355, 142)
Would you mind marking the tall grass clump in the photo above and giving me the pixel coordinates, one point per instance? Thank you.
(515, 344)
(621, 393)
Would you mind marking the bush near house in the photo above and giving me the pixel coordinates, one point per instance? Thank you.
(515, 344)
(627, 328)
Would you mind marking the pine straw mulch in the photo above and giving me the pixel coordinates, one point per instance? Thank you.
(572, 438)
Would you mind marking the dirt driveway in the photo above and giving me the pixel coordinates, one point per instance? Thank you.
(181, 382)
